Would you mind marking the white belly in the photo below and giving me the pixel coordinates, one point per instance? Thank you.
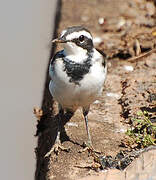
(71, 95)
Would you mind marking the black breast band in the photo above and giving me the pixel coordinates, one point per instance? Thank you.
(76, 71)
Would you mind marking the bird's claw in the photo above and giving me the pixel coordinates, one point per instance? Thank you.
(56, 149)
(88, 147)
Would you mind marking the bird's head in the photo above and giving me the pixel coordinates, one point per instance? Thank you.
(76, 40)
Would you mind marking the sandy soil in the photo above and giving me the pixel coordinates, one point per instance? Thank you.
(124, 30)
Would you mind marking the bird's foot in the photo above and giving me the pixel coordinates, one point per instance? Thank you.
(88, 147)
(57, 148)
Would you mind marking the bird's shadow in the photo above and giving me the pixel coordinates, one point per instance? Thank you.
(47, 129)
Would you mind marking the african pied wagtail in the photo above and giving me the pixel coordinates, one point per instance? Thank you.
(78, 73)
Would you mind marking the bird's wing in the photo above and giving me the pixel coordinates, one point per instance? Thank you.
(59, 54)
(104, 61)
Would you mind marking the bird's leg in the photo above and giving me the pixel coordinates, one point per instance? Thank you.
(58, 146)
(88, 146)
(85, 113)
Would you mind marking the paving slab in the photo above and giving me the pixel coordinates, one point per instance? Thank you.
(142, 168)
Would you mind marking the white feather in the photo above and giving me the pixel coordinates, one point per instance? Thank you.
(74, 52)
(71, 95)
(77, 34)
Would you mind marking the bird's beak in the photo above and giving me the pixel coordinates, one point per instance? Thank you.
(59, 40)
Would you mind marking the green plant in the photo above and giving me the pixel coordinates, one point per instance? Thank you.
(142, 130)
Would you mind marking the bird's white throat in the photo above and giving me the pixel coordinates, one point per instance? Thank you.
(74, 52)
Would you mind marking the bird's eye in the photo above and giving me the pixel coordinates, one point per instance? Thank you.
(81, 38)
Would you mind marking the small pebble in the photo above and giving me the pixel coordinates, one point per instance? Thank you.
(121, 23)
(97, 40)
(128, 68)
(96, 102)
(101, 20)
(113, 95)
(121, 130)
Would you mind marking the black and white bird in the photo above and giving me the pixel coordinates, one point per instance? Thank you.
(78, 73)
